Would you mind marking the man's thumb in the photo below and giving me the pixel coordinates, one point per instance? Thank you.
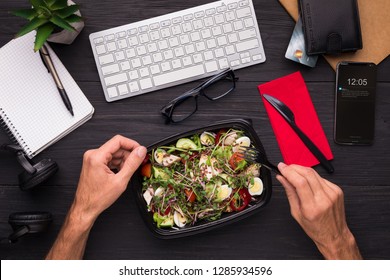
(132, 163)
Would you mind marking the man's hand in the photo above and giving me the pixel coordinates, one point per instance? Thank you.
(318, 206)
(99, 187)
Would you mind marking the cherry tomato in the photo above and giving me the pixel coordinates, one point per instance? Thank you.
(190, 195)
(240, 200)
(146, 170)
(235, 159)
(219, 135)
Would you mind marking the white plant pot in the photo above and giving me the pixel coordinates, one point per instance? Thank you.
(66, 36)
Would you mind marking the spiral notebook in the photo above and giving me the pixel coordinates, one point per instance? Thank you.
(31, 109)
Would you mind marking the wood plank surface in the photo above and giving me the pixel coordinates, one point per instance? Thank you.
(362, 172)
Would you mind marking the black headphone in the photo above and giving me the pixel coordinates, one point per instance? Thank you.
(24, 223)
(34, 174)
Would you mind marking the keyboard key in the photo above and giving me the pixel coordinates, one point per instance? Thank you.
(123, 89)
(247, 34)
(152, 47)
(248, 22)
(106, 59)
(177, 20)
(199, 14)
(121, 34)
(229, 50)
(221, 9)
(154, 69)
(232, 6)
(222, 41)
(146, 83)
(178, 75)
(208, 22)
(190, 49)
(187, 60)
(154, 35)
(165, 66)
(110, 37)
(143, 28)
(122, 44)
(112, 92)
(234, 63)
(211, 43)
(247, 45)
(98, 40)
(132, 31)
(227, 28)
(179, 51)
(184, 39)
(144, 72)
(162, 45)
(198, 24)
(134, 86)
(244, 12)
(136, 62)
(130, 53)
(219, 19)
(125, 65)
(143, 38)
(223, 63)
(157, 57)
(200, 46)
(111, 46)
(197, 58)
(165, 33)
(153, 26)
(210, 11)
(216, 30)
(110, 69)
(243, 3)
(257, 57)
(219, 52)
(165, 23)
(232, 38)
(208, 55)
(116, 79)
(176, 63)
(146, 60)
(230, 16)
(133, 75)
(133, 41)
(141, 50)
(188, 17)
(100, 49)
(176, 30)
(120, 56)
(238, 25)
(206, 33)
(168, 54)
(211, 66)
(187, 27)
(173, 41)
(195, 36)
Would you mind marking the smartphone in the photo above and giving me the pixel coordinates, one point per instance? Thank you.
(355, 103)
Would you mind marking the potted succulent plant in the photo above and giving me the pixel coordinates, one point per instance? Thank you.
(54, 20)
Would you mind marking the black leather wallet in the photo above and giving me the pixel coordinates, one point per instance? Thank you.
(330, 26)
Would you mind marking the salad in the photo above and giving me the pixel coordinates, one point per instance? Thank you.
(199, 178)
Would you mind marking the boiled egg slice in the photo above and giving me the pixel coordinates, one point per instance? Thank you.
(243, 141)
(159, 192)
(159, 155)
(179, 219)
(224, 192)
(148, 195)
(256, 187)
(207, 138)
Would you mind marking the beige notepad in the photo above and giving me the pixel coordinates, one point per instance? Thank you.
(31, 109)
(375, 27)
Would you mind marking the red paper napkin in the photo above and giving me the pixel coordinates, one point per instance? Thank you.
(292, 91)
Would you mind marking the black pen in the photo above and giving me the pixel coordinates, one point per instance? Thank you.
(50, 67)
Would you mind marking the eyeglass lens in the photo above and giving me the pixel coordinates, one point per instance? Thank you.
(183, 109)
(219, 88)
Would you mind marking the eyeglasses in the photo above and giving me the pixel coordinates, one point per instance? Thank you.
(185, 105)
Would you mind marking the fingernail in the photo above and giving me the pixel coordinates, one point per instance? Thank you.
(141, 152)
(282, 165)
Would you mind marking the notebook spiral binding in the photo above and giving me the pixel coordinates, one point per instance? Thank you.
(12, 132)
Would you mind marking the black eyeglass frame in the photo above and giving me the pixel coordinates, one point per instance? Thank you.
(167, 110)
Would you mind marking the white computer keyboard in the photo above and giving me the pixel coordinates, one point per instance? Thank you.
(177, 48)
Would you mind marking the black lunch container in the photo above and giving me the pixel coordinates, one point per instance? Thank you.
(226, 218)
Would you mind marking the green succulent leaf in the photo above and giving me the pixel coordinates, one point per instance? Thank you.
(73, 18)
(67, 11)
(49, 2)
(59, 4)
(43, 32)
(37, 3)
(25, 13)
(62, 23)
(33, 24)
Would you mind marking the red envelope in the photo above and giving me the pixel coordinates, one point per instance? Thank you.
(292, 91)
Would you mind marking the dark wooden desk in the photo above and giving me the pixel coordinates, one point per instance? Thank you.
(119, 233)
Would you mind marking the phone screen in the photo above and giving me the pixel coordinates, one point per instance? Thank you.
(355, 103)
